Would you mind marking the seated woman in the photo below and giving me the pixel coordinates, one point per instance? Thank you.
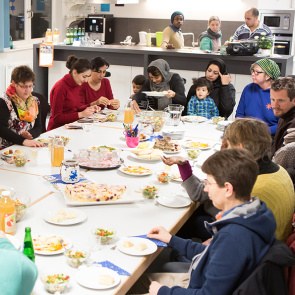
(273, 185)
(255, 98)
(20, 119)
(19, 274)
(223, 92)
(160, 80)
(98, 90)
(241, 236)
(65, 96)
(210, 40)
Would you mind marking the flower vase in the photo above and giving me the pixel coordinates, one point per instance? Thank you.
(264, 52)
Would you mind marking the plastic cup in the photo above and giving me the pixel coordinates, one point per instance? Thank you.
(132, 142)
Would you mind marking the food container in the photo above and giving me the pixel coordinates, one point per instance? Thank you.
(192, 153)
(149, 192)
(21, 205)
(155, 118)
(104, 236)
(70, 172)
(55, 283)
(75, 256)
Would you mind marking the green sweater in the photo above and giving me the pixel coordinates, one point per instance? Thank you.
(277, 191)
(18, 274)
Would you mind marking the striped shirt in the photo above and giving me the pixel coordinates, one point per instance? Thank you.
(243, 32)
(202, 107)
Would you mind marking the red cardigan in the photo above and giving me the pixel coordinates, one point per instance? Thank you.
(91, 95)
(66, 101)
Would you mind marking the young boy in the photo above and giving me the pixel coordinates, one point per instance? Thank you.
(202, 104)
(137, 83)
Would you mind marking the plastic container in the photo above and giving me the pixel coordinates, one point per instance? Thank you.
(159, 39)
(7, 213)
(132, 142)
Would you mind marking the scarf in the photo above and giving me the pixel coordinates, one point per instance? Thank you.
(174, 29)
(27, 109)
(210, 34)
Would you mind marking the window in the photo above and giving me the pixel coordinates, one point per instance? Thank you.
(29, 19)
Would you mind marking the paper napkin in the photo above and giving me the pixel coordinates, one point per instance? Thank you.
(157, 242)
(113, 267)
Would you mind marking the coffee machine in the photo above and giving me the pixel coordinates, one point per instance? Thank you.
(100, 27)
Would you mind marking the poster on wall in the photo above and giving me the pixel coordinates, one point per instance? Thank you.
(46, 52)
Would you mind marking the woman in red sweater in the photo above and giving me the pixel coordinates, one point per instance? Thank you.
(98, 90)
(66, 100)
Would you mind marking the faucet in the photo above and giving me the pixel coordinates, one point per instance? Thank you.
(193, 37)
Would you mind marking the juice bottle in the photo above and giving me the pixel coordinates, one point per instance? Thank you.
(28, 245)
(48, 36)
(7, 213)
(128, 114)
(57, 152)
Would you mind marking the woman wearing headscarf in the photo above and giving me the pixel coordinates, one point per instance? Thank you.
(255, 98)
(223, 92)
(172, 35)
(210, 40)
(160, 80)
(20, 119)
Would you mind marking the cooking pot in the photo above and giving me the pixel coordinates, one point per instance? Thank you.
(246, 47)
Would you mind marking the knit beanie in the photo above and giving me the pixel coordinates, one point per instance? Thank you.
(174, 14)
(269, 67)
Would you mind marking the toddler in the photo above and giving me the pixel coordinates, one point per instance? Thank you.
(137, 83)
(202, 104)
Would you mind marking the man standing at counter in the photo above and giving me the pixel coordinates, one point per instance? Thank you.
(172, 35)
(252, 26)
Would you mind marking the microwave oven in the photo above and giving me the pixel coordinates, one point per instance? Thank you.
(279, 21)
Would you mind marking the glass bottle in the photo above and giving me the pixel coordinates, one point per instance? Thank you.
(128, 113)
(48, 36)
(7, 213)
(28, 245)
(68, 37)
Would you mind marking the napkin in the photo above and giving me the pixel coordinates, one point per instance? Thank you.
(113, 267)
(157, 242)
(56, 179)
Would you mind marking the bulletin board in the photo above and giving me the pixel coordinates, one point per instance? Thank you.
(46, 54)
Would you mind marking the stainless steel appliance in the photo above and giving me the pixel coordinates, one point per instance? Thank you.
(100, 27)
(281, 23)
(247, 47)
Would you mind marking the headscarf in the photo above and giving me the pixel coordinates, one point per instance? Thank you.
(27, 109)
(164, 69)
(269, 67)
(222, 68)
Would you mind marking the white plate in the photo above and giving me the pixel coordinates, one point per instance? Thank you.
(177, 201)
(197, 144)
(56, 217)
(89, 277)
(155, 93)
(147, 158)
(194, 119)
(14, 241)
(146, 172)
(137, 243)
(65, 244)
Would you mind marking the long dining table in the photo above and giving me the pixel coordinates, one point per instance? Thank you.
(133, 218)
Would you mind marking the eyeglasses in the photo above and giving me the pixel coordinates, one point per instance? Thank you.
(256, 73)
(207, 182)
(22, 86)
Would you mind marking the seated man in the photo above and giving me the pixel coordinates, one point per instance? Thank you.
(18, 273)
(252, 27)
(241, 236)
(172, 35)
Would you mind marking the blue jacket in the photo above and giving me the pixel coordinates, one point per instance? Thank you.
(240, 240)
(255, 103)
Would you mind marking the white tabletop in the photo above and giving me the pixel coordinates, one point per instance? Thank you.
(126, 219)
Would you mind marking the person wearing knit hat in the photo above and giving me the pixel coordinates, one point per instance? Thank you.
(255, 98)
(172, 35)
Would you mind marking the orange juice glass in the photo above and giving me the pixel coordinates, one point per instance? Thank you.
(128, 116)
(57, 152)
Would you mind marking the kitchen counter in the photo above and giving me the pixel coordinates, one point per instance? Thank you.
(191, 59)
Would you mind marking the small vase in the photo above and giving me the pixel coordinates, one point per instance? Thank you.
(264, 52)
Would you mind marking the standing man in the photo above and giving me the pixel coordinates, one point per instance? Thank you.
(172, 35)
(282, 96)
(252, 26)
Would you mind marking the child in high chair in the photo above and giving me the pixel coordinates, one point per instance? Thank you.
(202, 104)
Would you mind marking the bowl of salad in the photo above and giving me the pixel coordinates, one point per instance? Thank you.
(104, 236)
(149, 192)
(75, 257)
(54, 283)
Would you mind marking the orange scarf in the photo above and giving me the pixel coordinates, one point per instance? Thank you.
(27, 109)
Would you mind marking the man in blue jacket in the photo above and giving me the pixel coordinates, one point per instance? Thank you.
(241, 235)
